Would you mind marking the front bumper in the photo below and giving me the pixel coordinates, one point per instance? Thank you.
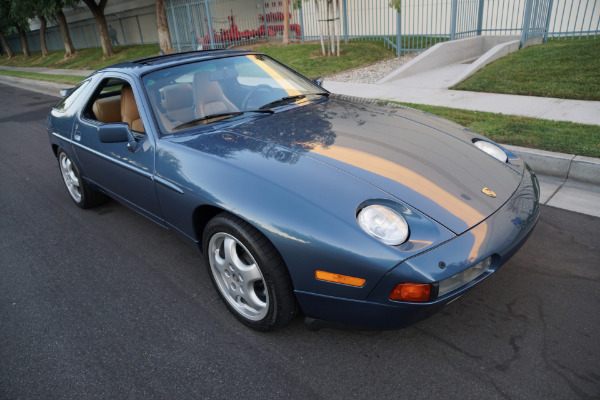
(499, 237)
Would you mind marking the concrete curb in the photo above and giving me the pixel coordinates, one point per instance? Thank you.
(49, 88)
(560, 165)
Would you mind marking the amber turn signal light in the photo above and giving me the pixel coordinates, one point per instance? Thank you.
(337, 278)
(411, 292)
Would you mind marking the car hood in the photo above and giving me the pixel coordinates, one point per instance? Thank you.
(422, 160)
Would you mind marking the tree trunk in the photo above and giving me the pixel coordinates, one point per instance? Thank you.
(6, 45)
(98, 12)
(164, 36)
(64, 30)
(330, 27)
(336, 24)
(286, 23)
(24, 43)
(43, 23)
(319, 26)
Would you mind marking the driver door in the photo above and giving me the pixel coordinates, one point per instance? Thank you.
(124, 171)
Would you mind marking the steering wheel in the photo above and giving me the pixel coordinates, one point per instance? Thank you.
(254, 91)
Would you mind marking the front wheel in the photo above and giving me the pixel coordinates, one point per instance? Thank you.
(80, 192)
(249, 274)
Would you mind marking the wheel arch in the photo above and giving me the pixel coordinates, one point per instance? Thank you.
(204, 213)
(200, 217)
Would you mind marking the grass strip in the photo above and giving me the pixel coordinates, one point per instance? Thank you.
(565, 68)
(557, 136)
(84, 59)
(66, 79)
(307, 58)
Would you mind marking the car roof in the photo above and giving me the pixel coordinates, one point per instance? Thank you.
(147, 64)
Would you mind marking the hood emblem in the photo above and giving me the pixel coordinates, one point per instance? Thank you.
(488, 192)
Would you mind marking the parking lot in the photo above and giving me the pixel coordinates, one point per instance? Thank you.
(103, 303)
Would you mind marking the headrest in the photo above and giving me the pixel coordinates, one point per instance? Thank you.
(128, 105)
(178, 96)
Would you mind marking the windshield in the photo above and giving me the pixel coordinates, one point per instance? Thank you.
(208, 91)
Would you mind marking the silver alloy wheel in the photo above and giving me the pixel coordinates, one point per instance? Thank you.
(70, 177)
(238, 276)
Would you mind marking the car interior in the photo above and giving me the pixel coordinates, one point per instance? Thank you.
(114, 103)
(183, 94)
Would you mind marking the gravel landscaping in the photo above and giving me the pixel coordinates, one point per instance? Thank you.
(373, 72)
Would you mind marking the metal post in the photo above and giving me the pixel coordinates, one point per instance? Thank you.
(210, 27)
(265, 20)
(192, 28)
(345, 15)
(139, 30)
(96, 36)
(398, 34)
(301, 23)
(122, 31)
(548, 20)
(453, 19)
(526, 23)
(176, 29)
(480, 18)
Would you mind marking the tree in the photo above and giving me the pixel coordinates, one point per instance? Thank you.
(286, 23)
(19, 14)
(61, 20)
(46, 10)
(5, 44)
(98, 12)
(43, 23)
(333, 30)
(164, 36)
(5, 27)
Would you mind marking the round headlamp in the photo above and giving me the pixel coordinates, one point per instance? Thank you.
(492, 150)
(384, 224)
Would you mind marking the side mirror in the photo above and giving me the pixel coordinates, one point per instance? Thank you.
(65, 92)
(117, 133)
(319, 81)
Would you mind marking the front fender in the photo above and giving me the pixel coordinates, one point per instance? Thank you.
(304, 207)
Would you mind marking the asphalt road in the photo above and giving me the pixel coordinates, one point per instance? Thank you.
(105, 304)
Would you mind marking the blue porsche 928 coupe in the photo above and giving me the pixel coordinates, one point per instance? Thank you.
(362, 215)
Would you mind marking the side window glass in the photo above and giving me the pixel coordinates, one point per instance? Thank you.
(114, 102)
(71, 97)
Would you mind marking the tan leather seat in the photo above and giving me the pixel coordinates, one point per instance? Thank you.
(108, 109)
(129, 110)
(210, 99)
(179, 102)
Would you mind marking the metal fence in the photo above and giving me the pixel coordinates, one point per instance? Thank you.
(419, 25)
(203, 24)
(136, 26)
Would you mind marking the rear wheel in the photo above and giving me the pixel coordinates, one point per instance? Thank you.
(80, 192)
(249, 274)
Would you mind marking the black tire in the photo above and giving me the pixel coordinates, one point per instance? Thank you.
(79, 191)
(253, 282)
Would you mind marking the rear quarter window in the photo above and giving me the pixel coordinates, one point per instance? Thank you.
(66, 102)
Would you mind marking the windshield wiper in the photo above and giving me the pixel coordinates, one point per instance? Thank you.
(287, 99)
(262, 110)
(283, 100)
(222, 116)
(207, 117)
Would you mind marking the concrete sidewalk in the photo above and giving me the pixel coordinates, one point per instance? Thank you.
(567, 181)
(405, 90)
(50, 71)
